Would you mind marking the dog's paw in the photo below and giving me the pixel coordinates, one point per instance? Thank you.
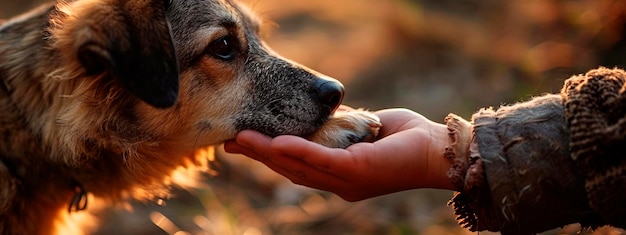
(348, 127)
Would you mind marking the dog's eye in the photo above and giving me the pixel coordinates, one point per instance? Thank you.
(223, 48)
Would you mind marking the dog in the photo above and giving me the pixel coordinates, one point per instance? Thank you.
(108, 99)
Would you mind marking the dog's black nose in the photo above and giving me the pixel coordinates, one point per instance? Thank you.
(329, 92)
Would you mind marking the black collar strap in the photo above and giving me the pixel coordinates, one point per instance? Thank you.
(79, 200)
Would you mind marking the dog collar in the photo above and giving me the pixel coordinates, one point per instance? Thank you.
(80, 198)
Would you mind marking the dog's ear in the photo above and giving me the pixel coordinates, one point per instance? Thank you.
(132, 41)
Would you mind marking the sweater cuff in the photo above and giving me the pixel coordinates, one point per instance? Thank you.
(472, 201)
(519, 171)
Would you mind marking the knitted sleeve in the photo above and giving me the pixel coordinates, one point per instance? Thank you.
(595, 109)
(544, 163)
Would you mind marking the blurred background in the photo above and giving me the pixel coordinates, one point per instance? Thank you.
(431, 56)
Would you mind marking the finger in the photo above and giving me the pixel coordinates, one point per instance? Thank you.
(250, 143)
(296, 171)
(314, 154)
(302, 173)
(291, 163)
(310, 176)
(232, 146)
(257, 146)
(254, 141)
(399, 119)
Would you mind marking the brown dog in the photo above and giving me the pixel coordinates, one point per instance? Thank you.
(111, 97)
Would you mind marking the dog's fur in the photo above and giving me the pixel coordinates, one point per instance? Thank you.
(111, 97)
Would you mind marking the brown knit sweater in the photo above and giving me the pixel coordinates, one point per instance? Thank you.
(544, 163)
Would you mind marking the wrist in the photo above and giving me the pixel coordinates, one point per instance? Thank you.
(438, 164)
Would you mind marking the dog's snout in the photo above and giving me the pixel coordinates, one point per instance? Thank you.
(329, 93)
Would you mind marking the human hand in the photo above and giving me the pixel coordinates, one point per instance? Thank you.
(407, 155)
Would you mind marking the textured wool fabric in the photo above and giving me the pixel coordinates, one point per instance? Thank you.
(595, 109)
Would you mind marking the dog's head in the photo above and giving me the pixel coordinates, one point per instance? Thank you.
(192, 72)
